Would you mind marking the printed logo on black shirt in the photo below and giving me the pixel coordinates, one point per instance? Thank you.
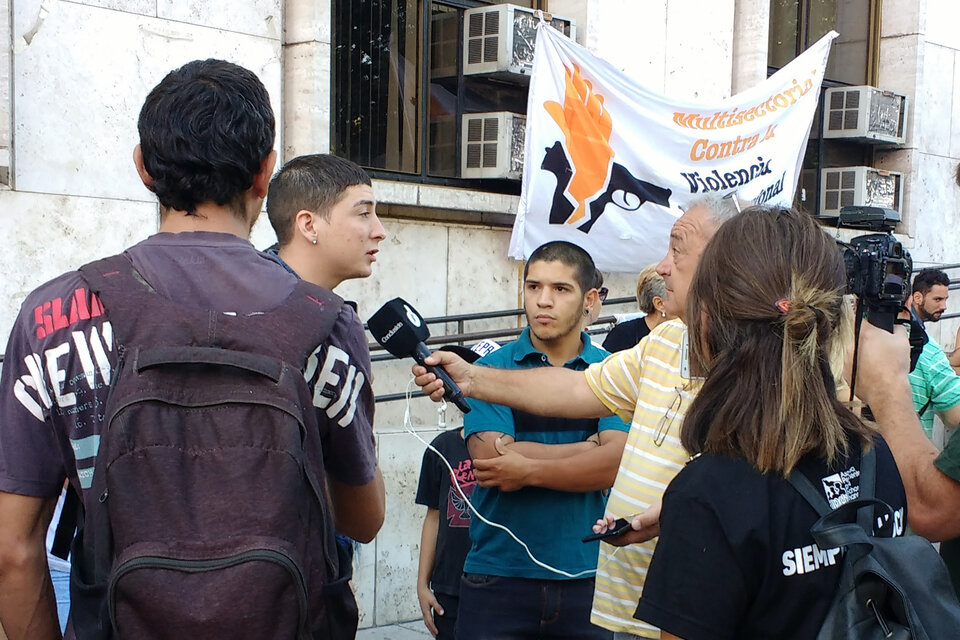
(458, 512)
(839, 487)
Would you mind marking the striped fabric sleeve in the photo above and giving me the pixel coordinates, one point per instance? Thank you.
(944, 381)
(614, 381)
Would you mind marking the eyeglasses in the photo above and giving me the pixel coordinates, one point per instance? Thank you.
(666, 420)
(602, 292)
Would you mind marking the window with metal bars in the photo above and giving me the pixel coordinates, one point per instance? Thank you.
(401, 103)
(794, 26)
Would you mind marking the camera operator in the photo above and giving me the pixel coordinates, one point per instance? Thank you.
(936, 386)
(931, 478)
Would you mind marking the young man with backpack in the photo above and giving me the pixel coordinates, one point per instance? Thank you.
(202, 401)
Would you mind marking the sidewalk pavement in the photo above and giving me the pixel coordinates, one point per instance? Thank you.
(414, 630)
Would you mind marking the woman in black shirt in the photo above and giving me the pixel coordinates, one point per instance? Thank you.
(735, 557)
(651, 293)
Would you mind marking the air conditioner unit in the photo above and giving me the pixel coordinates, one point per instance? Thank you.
(492, 145)
(499, 39)
(865, 113)
(858, 186)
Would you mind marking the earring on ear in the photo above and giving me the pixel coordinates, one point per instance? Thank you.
(663, 314)
(314, 241)
(586, 312)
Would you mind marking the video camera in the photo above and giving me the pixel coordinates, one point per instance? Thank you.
(878, 271)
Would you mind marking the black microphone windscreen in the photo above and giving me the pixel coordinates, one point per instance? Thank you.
(398, 327)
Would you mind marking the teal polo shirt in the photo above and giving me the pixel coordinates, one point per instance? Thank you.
(935, 385)
(550, 522)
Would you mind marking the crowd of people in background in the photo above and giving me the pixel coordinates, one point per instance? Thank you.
(688, 422)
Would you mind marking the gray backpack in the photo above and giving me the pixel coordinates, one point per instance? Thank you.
(891, 588)
(208, 515)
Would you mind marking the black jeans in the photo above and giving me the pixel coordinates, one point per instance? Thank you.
(501, 608)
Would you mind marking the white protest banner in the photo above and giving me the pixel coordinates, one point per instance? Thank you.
(609, 165)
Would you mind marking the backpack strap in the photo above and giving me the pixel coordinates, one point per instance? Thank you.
(806, 489)
(67, 525)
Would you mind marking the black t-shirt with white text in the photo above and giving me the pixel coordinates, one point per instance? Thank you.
(735, 558)
(61, 356)
(436, 491)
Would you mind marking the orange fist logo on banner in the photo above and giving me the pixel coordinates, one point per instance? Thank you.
(586, 127)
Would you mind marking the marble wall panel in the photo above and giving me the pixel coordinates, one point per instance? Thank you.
(900, 65)
(934, 102)
(306, 98)
(306, 21)
(450, 198)
(28, 17)
(391, 377)
(80, 84)
(936, 205)
(750, 43)
(262, 235)
(904, 161)
(576, 10)
(365, 581)
(395, 192)
(6, 38)
(482, 278)
(143, 7)
(412, 264)
(955, 112)
(46, 235)
(261, 18)
(903, 17)
(942, 17)
(398, 544)
(631, 36)
(699, 49)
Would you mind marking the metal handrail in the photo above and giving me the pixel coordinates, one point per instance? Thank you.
(461, 337)
(377, 353)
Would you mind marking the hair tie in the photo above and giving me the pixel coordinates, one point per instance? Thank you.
(783, 306)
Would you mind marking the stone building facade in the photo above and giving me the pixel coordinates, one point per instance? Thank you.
(73, 74)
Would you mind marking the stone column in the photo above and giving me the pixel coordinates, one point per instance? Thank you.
(306, 77)
(751, 25)
(5, 101)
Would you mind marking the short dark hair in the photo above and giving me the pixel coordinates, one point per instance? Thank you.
(569, 254)
(205, 131)
(598, 280)
(313, 182)
(926, 278)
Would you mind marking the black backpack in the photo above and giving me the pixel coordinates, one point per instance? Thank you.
(891, 588)
(208, 515)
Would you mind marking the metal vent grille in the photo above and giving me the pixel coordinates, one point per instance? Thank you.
(483, 37)
(474, 130)
(840, 189)
(844, 110)
(491, 129)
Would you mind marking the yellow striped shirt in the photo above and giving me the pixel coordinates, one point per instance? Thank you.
(642, 385)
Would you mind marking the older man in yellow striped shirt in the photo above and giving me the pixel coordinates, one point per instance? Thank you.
(648, 385)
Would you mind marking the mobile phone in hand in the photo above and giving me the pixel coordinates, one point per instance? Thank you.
(619, 526)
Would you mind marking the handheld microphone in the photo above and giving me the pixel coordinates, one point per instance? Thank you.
(402, 332)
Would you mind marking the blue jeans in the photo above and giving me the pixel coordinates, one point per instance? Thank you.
(501, 608)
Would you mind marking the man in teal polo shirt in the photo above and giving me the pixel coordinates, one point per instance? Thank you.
(540, 477)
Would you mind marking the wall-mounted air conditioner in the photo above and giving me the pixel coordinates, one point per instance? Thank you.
(499, 39)
(865, 113)
(858, 186)
(492, 145)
